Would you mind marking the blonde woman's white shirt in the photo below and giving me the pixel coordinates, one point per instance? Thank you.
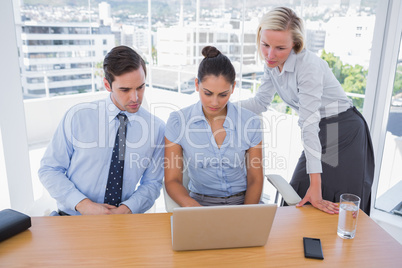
(308, 85)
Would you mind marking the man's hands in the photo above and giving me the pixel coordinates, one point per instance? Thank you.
(87, 207)
(122, 209)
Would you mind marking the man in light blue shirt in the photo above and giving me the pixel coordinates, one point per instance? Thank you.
(76, 165)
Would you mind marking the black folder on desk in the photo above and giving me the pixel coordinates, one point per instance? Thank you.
(12, 222)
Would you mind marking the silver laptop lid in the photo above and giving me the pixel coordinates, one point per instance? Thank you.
(215, 227)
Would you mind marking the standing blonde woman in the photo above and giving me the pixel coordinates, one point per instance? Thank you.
(338, 156)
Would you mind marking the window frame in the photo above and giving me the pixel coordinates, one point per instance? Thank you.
(380, 81)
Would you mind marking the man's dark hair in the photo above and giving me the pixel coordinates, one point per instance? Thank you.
(120, 60)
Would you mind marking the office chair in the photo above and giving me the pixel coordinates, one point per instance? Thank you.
(42, 206)
(283, 188)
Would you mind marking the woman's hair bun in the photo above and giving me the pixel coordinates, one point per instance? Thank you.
(210, 52)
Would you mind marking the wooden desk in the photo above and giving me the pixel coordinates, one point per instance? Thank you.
(145, 241)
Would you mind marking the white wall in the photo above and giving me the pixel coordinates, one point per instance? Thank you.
(4, 195)
(14, 149)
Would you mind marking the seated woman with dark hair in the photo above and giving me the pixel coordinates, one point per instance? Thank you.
(218, 142)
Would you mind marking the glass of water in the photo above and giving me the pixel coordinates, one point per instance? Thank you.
(348, 212)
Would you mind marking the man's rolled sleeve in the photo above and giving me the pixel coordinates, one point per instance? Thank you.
(54, 165)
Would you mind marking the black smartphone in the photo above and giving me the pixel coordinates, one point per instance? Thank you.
(312, 248)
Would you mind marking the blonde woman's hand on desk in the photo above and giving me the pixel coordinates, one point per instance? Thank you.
(314, 196)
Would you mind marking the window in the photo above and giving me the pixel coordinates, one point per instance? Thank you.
(172, 62)
(203, 37)
(389, 198)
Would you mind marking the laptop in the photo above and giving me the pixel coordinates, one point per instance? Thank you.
(214, 227)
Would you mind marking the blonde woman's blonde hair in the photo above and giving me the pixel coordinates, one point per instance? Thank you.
(282, 19)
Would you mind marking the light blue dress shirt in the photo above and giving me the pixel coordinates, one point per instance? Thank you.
(76, 163)
(212, 170)
(308, 85)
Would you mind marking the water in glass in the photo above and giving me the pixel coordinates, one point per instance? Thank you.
(347, 220)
